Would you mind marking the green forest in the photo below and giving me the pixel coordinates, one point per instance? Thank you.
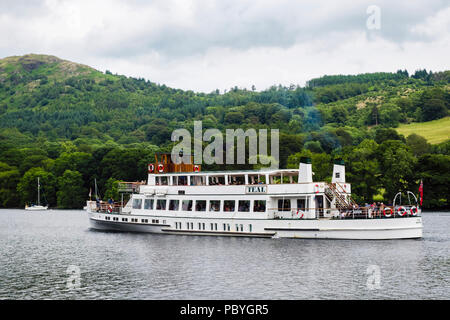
(69, 124)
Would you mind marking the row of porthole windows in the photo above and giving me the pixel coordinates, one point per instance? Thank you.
(156, 221)
(201, 205)
(213, 226)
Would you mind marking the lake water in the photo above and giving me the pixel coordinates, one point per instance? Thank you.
(55, 255)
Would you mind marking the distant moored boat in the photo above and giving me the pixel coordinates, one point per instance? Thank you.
(38, 206)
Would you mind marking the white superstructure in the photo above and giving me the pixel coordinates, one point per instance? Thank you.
(269, 203)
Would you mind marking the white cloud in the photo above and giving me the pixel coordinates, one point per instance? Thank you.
(203, 45)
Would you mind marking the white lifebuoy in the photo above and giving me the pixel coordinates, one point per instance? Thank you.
(196, 168)
(414, 211)
(110, 209)
(401, 211)
(151, 168)
(160, 168)
(390, 212)
(316, 188)
(300, 216)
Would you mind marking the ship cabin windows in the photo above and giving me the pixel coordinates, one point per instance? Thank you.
(228, 205)
(198, 180)
(256, 179)
(200, 205)
(302, 204)
(250, 227)
(160, 204)
(226, 227)
(174, 205)
(180, 180)
(148, 204)
(213, 226)
(186, 205)
(236, 179)
(214, 205)
(259, 206)
(216, 180)
(284, 205)
(137, 203)
(244, 206)
(162, 180)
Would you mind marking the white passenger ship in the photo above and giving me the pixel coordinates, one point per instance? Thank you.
(183, 200)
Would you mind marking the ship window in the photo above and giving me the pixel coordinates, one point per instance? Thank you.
(228, 205)
(182, 181)
(214, 205)
(161, 204)
(284, 205)
(301, 204)
(244, 206)
(219, 180)
(125, 219)
(200, 205)
(242, 227)
(174, 205)
(186, 205)
(137, 203)
(181, 192)
(250, 228)
(236, 180)
(148, 204)
(259, 206)
(338, 174)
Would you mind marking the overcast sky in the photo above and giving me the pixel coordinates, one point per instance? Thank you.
(207, 44)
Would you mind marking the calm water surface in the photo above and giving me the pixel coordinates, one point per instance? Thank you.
(38, 250)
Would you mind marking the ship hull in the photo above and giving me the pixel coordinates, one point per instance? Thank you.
(357, 229)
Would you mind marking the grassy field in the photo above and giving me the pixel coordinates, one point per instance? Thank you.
(435, 131)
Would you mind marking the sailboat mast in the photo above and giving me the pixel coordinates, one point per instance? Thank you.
(39, 193)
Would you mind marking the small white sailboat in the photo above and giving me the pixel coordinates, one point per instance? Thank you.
(38, 206)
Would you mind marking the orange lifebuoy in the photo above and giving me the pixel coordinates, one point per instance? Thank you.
(151, 168)
(387, 215)
(160, 168)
